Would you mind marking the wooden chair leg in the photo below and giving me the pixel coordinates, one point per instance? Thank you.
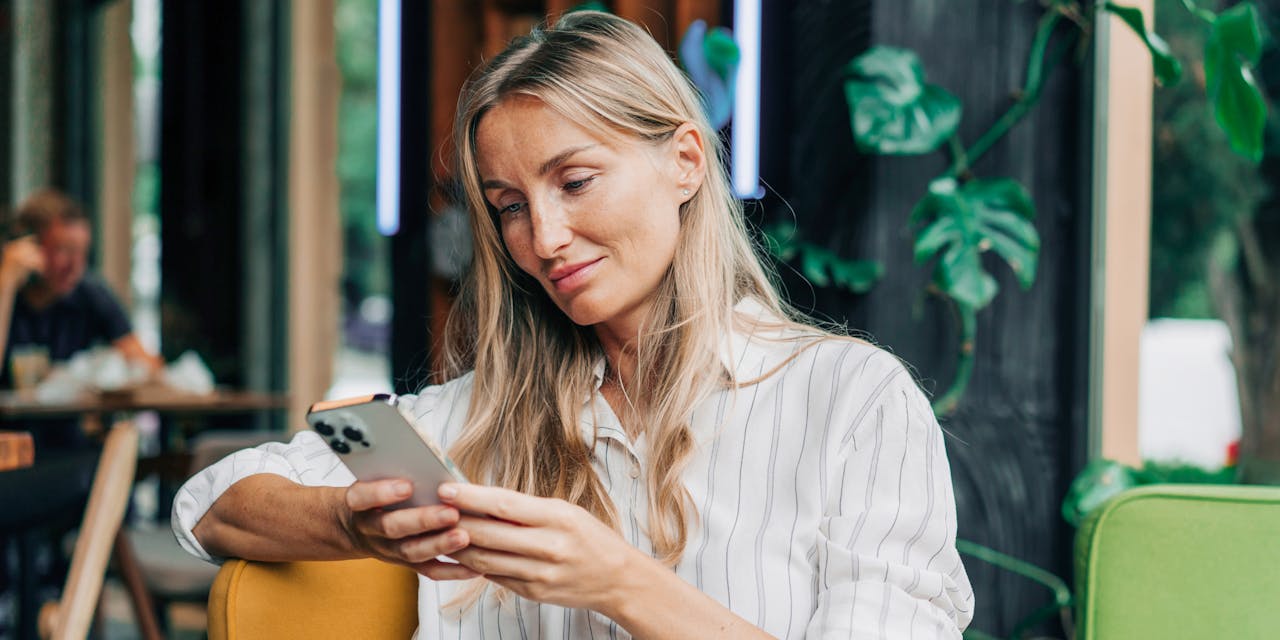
(143, 609)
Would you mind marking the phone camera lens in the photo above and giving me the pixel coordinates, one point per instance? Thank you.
(340, 445)
(353, 433)
(324, 429)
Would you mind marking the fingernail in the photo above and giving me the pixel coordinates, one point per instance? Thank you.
(448, 491)
(403, 488)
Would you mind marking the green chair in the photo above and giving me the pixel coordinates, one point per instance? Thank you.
(1181, 561)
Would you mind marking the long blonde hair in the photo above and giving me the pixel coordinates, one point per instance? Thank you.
(533, 366)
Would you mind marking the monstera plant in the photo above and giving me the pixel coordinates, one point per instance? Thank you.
(894, 111)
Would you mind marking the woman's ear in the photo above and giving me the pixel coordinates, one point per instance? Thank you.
(690, 158)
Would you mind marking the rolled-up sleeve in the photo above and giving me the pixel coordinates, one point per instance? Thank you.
(305, 460)
(887, 560)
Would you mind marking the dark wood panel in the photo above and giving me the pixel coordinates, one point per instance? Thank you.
(1019, 434)
(201, 152)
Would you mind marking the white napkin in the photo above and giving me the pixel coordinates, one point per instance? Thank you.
(189, 373)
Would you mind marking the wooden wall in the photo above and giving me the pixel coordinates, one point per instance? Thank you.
(1019, 435)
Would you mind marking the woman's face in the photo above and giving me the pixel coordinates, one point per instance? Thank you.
(594, 219)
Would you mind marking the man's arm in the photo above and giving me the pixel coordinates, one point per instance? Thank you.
(131, 348)
(20, 259)
(114, 326)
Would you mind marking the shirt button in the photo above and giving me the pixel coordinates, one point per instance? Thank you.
(635, 471)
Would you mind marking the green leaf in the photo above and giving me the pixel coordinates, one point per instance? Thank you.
(934, 237)
(721, 51)
(781, 240)
(1168, 70)
(961, 276)
(592, 5)
(1097, 483)
(960, 222)
(1241, 27)
(820, 265)
(1232, 50)
(824, 268)
(891, 108)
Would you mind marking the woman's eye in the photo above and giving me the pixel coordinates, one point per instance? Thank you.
(511, 208)
(577, 185)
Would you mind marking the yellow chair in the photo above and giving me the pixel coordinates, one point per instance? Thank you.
(315, 600)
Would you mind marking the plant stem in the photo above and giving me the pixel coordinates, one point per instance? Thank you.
(1061, 591)
(1029, 96)
(1062, 599)
(959, 159)
(968, 317)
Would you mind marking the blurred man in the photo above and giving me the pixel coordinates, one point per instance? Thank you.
(48, 306)
(49, 310)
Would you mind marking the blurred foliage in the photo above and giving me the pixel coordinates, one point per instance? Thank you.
(961, 221)
(1200, 188)
(1164, 62)
(892, 109)
(894, 112)
(366, 269)
(819, 264)
(1102, 480)
(710, 56)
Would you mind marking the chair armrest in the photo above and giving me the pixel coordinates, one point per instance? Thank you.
(338, 599)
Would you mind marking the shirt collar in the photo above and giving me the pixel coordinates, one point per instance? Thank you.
(745, 351)
(740, 351)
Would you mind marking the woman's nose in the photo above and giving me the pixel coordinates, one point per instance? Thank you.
(551, 231)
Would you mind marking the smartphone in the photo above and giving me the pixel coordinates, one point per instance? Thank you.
(375, 441)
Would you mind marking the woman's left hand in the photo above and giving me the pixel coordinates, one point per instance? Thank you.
(545, 549)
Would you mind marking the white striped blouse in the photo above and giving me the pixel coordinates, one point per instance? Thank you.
(824, 498)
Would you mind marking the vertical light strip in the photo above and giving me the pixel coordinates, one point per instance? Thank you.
(746, 101)
(388, 203)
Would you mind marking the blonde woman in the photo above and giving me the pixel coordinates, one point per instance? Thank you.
(664, 452)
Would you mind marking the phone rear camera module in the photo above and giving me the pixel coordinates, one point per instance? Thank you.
(324, 429)
(340, 445)
(353, 433)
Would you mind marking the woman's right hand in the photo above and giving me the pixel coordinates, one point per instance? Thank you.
(21, 258)
(414, 536)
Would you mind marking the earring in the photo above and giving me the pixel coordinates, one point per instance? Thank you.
(684, 192)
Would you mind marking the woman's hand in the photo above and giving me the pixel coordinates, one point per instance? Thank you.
(21, 258)
(412, 536)
(545, 549)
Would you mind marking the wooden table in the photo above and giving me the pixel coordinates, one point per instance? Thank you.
(90, 408)
(21, 404)
(16, 450)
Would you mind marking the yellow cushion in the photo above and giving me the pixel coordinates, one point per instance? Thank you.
(315, 600)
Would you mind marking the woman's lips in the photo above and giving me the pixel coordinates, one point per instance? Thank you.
(569, 278)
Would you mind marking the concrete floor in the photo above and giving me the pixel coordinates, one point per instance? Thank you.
(187, 621)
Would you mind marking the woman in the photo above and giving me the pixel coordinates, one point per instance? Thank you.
(661, 451)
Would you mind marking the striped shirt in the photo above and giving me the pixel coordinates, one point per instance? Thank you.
(824, 498)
